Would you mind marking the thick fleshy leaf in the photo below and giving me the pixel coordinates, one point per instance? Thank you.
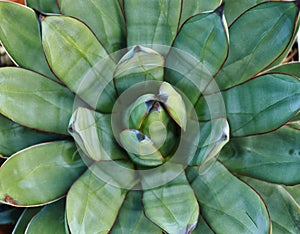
(172, 206)
(194, 7)
(98, 206)
(35, 101)
(85, 66)
(227, 204)
(51, 219)
(105, 18)
(92, 132)
(151, 22)
(140, 64)
(41, 174)
(140, 148)
(214, 135)
(233, 8)
(294, 191)
(284, 211)
(23, 45)
(262, 104)
(14, 137)
(174, 104)
(24, 220)
(288, 68)
(248, 55)
(49, 6)
(273, 157)
(202, 227)
(205, 37)
(131, 218)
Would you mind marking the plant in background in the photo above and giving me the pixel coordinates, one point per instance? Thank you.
(150, 116)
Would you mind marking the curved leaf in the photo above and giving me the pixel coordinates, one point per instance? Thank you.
(202, 227)
(294, 191)
(92, 132)
(131, 218)
(227, 204)
(23, 45)
(262, 104)
(24, 220)
(94, 212)
(43, 6)
(105, 18)
(273, 157)
(292, 69)
(194, 7)
(51, 219)
(151, 23)
(14, 137)
(139, 64)
(284, 211)
(172, 206)
(85, 66)
(41, 174)
(248, 55)
(35, 101)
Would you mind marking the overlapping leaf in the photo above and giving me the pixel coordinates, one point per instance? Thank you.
(49, 6)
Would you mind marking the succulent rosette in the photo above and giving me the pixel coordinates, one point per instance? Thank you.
(138, 116)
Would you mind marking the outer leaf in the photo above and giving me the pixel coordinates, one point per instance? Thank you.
(284, 211)
(227, 204)
(131, 218)
(248, 55)
(294, 191)
(24, 219)
(43, 6)
(273, 157)
(151, 22)
(32, 100)
(94, 212)
(262, 104)
(105, 18)
(41, 174)
(85, 67)
(92, 132)
(14, 137)
(172, 206)
(194, 7)
(51, 219)
(140, 64)
(24, 44)
(202, 227)
(288, 68)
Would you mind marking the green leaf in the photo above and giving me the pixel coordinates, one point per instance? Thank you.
(23, 45)
(85, 66)
(140, 148)
(41, 174)
(253, 48)
(9, 215)
(105, 18)
(294, 191)
(202, 227)
(194, 7)
(174, 104)
(51, 219)
(284, 211)
(140, 64)
(262, 104)
(35, 101)
(14, 137)
(93, 205)
(172, 206)
(92, 132)
(43, 6)
(233, 8)
(131, 218)
(273, 157)
(151, 23)
(227, 204)
(292, 69)
(24, 219)
(205, 37)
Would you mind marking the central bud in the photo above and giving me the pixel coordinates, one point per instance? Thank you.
(155, 123)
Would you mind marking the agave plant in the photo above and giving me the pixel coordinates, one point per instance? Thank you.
(137, 116)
